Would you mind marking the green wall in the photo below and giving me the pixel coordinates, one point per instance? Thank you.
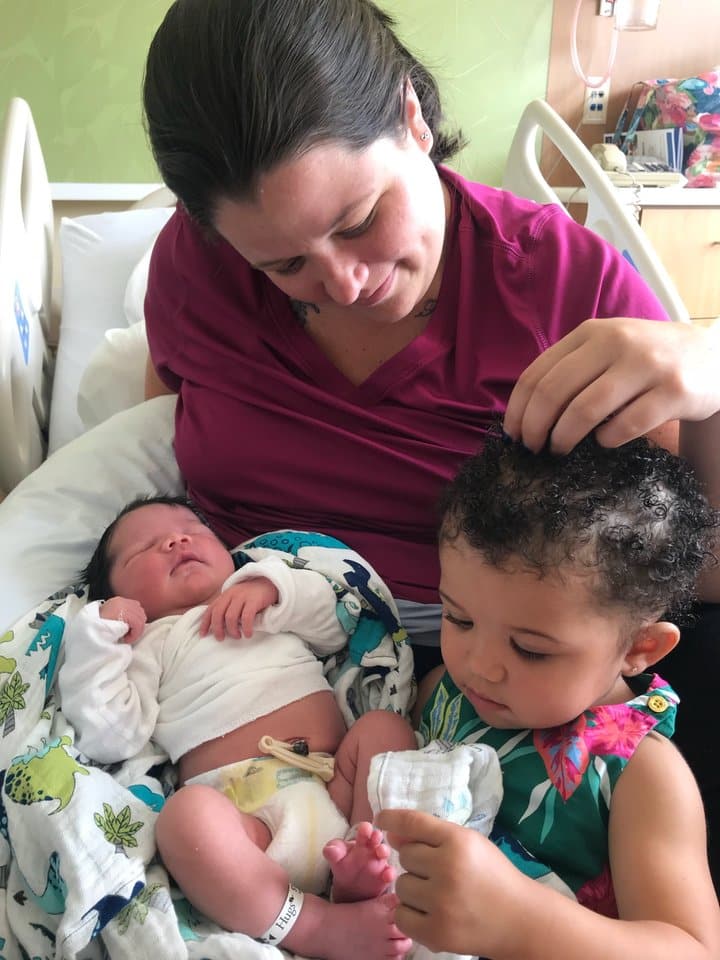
(79, 65)
(491, 57)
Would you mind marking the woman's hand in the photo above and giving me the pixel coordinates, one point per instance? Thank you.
(460, 893)
(621, 377)
(127, 611)
(233, 612)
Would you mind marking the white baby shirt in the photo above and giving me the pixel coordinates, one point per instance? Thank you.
(183, 689)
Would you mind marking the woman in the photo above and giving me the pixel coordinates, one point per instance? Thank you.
(341, 316)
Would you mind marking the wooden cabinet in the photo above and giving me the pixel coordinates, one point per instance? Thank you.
(687, 240)
(683, 226)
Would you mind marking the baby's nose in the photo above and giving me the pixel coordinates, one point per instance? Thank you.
(175, 539)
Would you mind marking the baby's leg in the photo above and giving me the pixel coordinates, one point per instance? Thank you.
(360, 866)
(372, 733)
(216, 856)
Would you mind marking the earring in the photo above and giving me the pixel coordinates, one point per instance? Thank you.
(425, 135)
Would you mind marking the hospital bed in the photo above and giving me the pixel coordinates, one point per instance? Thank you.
(107, 446)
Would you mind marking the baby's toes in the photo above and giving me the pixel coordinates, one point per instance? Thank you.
(365, 831)
(335, 850)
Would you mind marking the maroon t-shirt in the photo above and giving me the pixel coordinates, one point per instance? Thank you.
(270, 435)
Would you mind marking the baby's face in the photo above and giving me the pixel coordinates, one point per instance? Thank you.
(164, 557)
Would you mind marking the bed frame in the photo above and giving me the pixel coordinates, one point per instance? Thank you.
(26, 251)
(606, 214)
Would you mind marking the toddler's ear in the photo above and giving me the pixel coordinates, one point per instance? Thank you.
(650, 644)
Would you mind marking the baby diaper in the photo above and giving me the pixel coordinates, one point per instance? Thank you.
(294, 805)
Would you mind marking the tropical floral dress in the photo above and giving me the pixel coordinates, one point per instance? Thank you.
(558, 783)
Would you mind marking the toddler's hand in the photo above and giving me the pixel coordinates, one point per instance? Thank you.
(128, 611)
(460, 893)
(234, 611)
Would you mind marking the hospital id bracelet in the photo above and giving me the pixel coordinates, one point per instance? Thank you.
(285, 920)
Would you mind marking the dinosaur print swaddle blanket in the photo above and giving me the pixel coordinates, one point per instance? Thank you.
(79, 874)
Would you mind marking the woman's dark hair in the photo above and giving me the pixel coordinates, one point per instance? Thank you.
(97, 573)
(634, 515)
(234, 87)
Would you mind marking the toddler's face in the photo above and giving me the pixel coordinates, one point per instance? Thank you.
(164, 557)
(527, 652)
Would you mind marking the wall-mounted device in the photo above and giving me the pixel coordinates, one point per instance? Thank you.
(631, 14)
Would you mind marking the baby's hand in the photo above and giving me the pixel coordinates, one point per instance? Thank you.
(234, 611)
(128, 611)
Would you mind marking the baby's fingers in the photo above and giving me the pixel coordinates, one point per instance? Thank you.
(247, 620)
(233, 617)
(205, 622)
(136, 621)
(217, 617)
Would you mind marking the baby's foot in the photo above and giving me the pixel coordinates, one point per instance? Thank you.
(359, 867)
(356, 931)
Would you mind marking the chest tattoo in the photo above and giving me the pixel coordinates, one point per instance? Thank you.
(427, 309)
(300, 308)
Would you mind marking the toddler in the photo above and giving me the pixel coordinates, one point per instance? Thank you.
(559, 576)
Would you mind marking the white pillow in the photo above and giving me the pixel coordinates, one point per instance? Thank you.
(98, 253)
(50, 523)
(134, 299)
(114, 378)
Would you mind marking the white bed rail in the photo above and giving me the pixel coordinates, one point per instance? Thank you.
(606, 214)
(26, 243)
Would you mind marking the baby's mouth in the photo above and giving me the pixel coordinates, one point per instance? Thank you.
(182, 561)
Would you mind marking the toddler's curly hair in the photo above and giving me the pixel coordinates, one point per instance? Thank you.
(633, 515)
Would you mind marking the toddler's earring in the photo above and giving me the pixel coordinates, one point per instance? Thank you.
(425, 135)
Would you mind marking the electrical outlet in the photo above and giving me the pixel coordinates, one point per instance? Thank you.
(595, 106)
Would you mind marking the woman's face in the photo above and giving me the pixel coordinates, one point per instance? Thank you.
(336, 227)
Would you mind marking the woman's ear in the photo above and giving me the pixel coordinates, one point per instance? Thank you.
(416, 126)
(649, 644)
